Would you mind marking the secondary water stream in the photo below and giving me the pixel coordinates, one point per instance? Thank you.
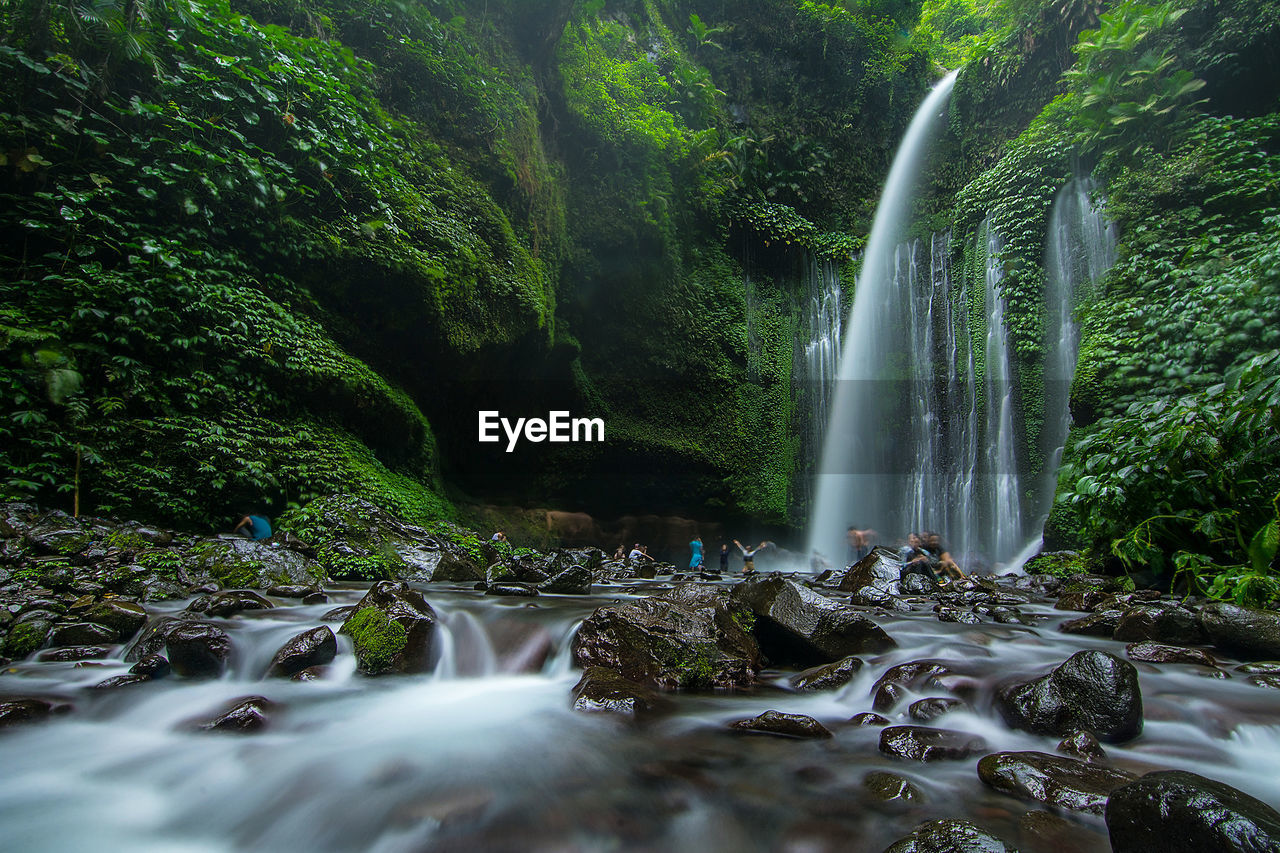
(486, 753)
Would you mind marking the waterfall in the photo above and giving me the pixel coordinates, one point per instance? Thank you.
(857, 471)
(821, 347)
(1079, 249)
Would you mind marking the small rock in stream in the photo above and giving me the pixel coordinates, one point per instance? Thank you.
(925, 744)
(1052, 779)
(828, 676)
(869, 718)
(310, 648)
(602, 689)
(197, 649)
(152, 666)
(1251, 634)
(927, 710)
(248, 715)
(226, 604)
(73, 653)
(888, 787)
(787, 725)
(1082, 744)
(1151, 652)
(15, 711)
(950, 836)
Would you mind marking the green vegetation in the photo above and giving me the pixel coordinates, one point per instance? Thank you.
(377, 639)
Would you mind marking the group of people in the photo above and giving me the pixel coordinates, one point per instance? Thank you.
(698, 561)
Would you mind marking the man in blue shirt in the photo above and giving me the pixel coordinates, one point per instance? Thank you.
(255, 527)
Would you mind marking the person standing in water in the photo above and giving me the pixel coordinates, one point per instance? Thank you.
(749, 557)
(859, 542)
(724, 557)
(695, 561)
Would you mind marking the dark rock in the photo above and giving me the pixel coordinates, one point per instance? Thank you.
(828, 676)
(1162, 623)
(152, 666)
(867, 718)
(15, 711)
(310, 648)
(964, 617)
(126, 618)
(249, 715)
(1173, 811)
(392, 629)
(888, 787)
(1007, 616)
(58, 577)
(122, 681)
(797, 625)
(1271, 682)
(74, 653)
(575, 580)
(315, 598)
(924, 744)
(1092, 690)
(950, 836)
(870, 596)
(927, 710)
(602, 689)
(1052, 779)
(241, 563)
(26, 637)
(1250, 634)
(512, 588)
(311, 673)
(880, 569)
(434, 558)
(1103, 623)
(1082, 744)
(197, 649)
(1157, 653)
(224, 604)
(787, 725)
(1264, 667)
(82, 634)
(887, 695)
(339, 614)
(1082, 599)
(913, 583)
(687, 638)
(290, 591)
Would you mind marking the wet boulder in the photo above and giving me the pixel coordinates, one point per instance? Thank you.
(1083, 745)
(1174, 811)
(15, 711)
(512, 588)
(890, 787)
(1149, 652)
(919, 743)
(1248, 633)
(225, 604)
(914, 583)
(26, 637)
(73, 653)
(782, 724)
(828, 676)
(124, 617)
(950, 836)
(603, 690)
(933, 707)
(1052, 779)
(126, 680)
(197, 649)
(689, 638)
(880, 569)
(435, 558)
(575, 580)
(240, 563)
(393, 629)
(1092, 690)
(963, 617)
(248, 715)
(1165, 622)
(81, 634)
(152, 666)
(897, 681)
(794, 624)
(869, 718)
(1101, 623)
(310, 648)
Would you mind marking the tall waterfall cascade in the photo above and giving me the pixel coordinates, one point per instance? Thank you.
(815, 361)
(926, 429)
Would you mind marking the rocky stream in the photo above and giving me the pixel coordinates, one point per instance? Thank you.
(170, 692)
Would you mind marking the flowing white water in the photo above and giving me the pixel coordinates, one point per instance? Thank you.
(1080, 248)
(854, 459)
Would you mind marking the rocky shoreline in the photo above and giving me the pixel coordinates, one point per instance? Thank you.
(84, 590)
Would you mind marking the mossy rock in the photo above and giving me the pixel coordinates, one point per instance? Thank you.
(25, 638)
(1061, 564)
(377, 639)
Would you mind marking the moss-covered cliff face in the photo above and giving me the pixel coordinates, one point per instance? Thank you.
(257, 251)
(1171, 462)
